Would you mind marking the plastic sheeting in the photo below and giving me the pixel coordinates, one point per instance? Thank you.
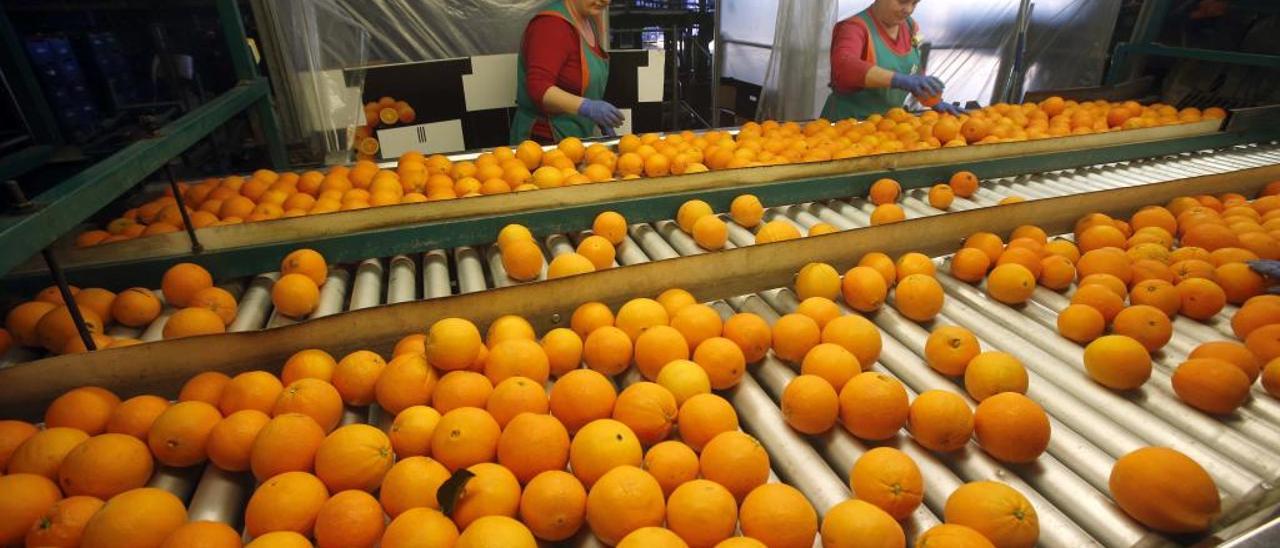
(1067, 44)
(319, 42)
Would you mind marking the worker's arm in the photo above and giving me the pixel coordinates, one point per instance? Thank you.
(545, 56)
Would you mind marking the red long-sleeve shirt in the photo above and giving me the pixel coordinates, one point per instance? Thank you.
(552, 57)
(849, 43)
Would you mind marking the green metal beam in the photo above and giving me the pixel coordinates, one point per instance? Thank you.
(247, 69)
(64, 206)
(1217, 56)
(31, 99)
(22, 161)
(344, 248)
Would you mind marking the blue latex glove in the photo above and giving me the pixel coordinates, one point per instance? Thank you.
(608, 131)
(1270, 270)
(948, 108)
(917, 84)
(601, 112)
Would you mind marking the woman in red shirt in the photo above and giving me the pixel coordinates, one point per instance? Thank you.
(875, 63)
(561, 74)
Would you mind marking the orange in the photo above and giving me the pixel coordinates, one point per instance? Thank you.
(590, 316)
(1118, 362)
(495, 531)
(820, 309)
(295, 295)
(349, 518)
(658, 346)
(672, 463)
(810, 404)
(863, 289)
(29, 497)
(1146, 324)
(751, 333)
(949, 349)
(690, 212)
(1011, 427)
(696, 323)
(179, 435)
(1271, 377)
(746, 210)
(611, 225)
(218, 300)
(817, 280)
(638, 314)
(889, 479)
(882, 264)
(517, 358)
(491, 491)
(569, 264)
(1056, 272)
(941, 196)
(287, 443)
(463, 437)
(918, 297)
(702, 513)
(231, 439)
(608, 350)
(87, 408)
(22, 320)
(286, 502)
(777, 230)
(1211, 385)
(947, 535)
(314, 398)
(964, 183)
(722, 360)
(1201, 299)
(793, 335)
(509, 327)
(1232, 352)
(411, 431)
(522, 259)
(1257, 312)
(623, 500)
(1238, 282)
(857, 335)
(1011, 283)
(1100, 298)
(884, 191)
(553, 505)
(648, 409)
(514, 396)
(600, 446)
(997, 511)
(656, 537)
(98, 300)
(778, 515)
(857, 522)
(991, 373)
(1158, 293)
(206, 387)
(887, 213)
(581, 396)
(411, 483)
(138, 517)
(563, 348)
(452, 343)
(309, 364)
(307, 262)
(12, 434)
(63, 523)
(205, 534)
(1165, 490)
(355, 456)
(104, 466)
(512, 233)
(598, 250)
(257, 390)
(181, 282)
(832, 363)
(56, 327)
(970, 264)
(1106, 260)
(532, 444)
(1081, 323)
(872, 390)
(940, 421)
(703, 417)
(675, 299)
(193, 321)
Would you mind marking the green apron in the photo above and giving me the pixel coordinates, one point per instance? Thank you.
(595, 74)
(878, 100)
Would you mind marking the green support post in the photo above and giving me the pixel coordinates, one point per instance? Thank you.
(13, 62)
(1151, 19)
(246, 70)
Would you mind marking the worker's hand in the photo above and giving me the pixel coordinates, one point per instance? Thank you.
(949, 108)
(601, 112)
(608, 131)
(1270, 269)
(917, 84)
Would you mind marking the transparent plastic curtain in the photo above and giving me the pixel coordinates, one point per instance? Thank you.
(320, 42)
(795, 83)
(1067, 44)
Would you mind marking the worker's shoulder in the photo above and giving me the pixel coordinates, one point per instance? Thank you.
(853, 23)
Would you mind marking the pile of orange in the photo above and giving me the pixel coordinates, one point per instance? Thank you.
(267, 195)
(384, 112)
(201, 308)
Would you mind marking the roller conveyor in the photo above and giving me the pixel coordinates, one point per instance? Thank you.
(1091, 426)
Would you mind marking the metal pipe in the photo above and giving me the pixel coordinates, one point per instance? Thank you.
(196, 248)
(333, 295)
(470, 271)
(220, 496)
(367, 289)
(64, 289)
(435, 274)
(255, 305)
(402, 285)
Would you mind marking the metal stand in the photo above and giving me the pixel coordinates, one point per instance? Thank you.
(182, 209)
